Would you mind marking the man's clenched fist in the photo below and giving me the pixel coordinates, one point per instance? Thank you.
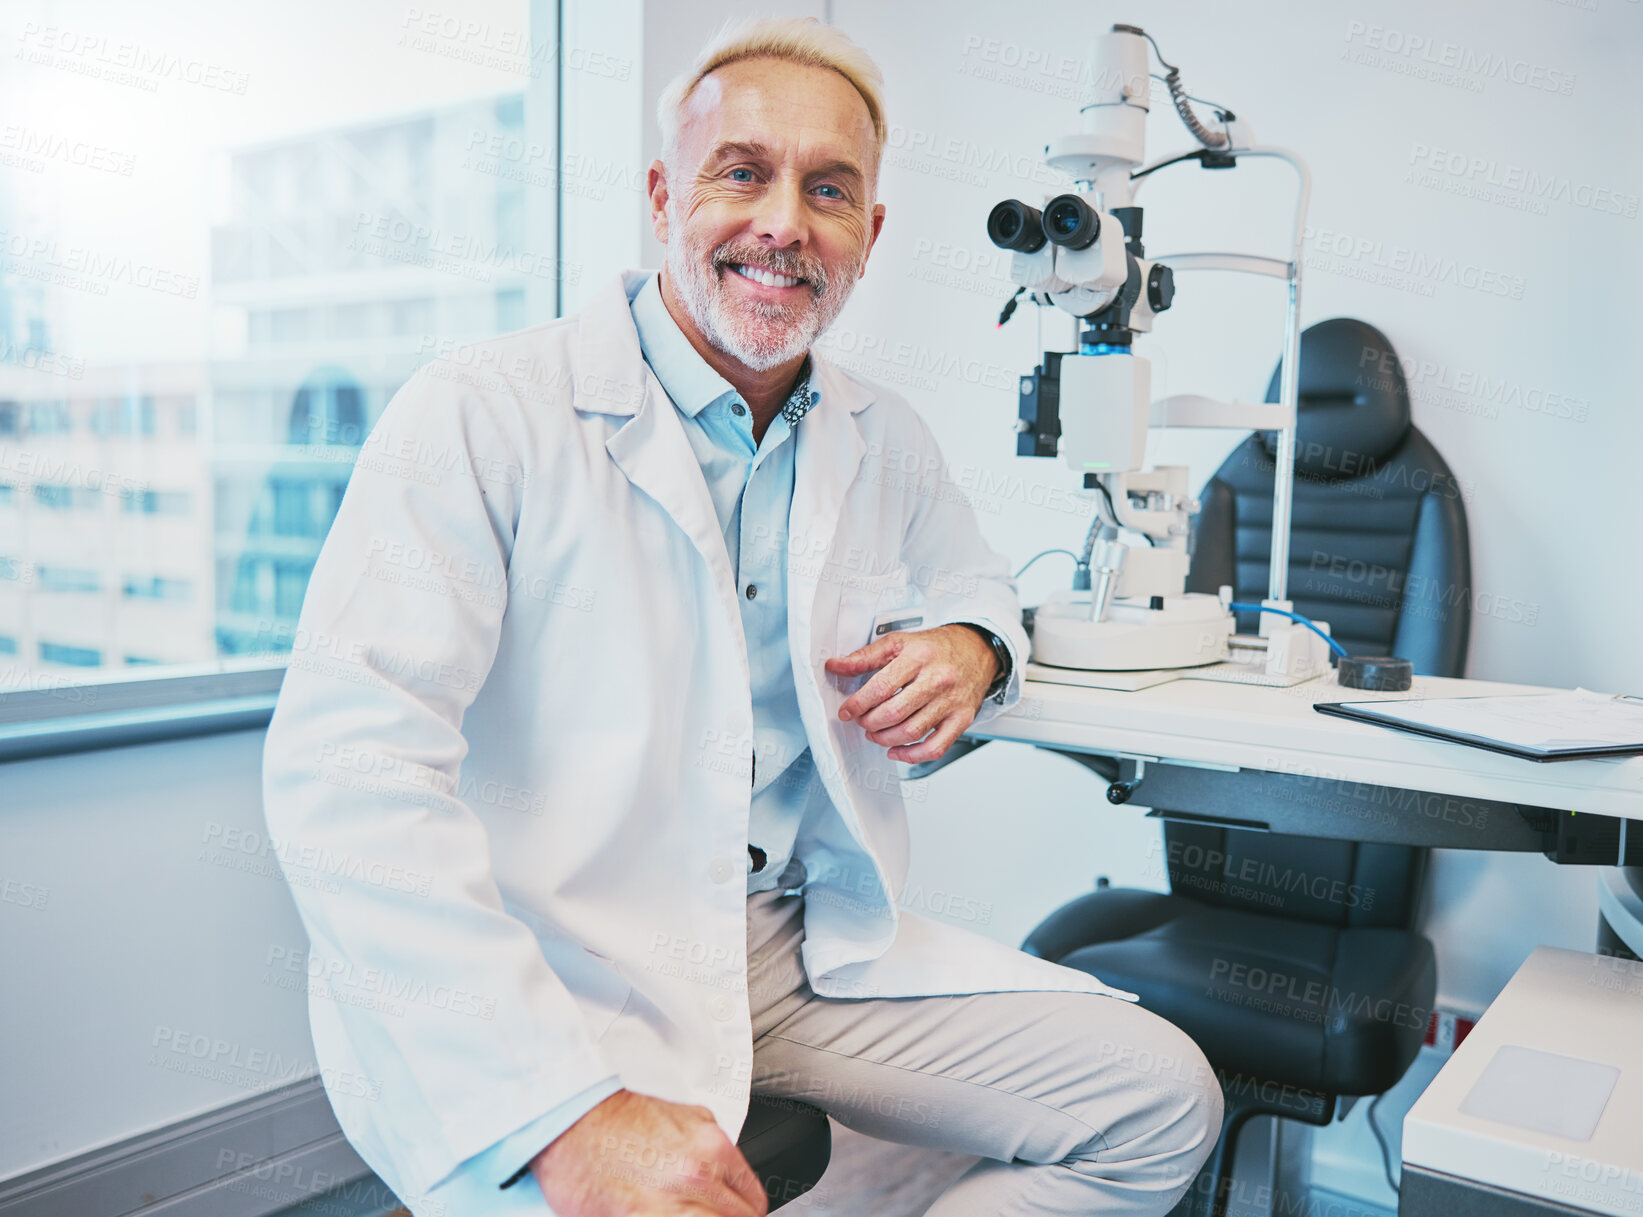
(637, 1156)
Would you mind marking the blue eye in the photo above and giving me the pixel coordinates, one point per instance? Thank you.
(837, 193)
(741, 175)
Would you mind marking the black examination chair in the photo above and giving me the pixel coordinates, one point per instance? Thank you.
(1291, 960)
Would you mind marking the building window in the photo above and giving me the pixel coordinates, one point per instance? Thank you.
(154, 587)
(156, 502)
(292, 517)
(50, 418)
(290, 583)
(129, 416)
(67, 579)
(8, 645)
(79, 657)
(328, 410)
(510, 309)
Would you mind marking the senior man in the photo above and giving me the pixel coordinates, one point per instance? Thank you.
(583, 772)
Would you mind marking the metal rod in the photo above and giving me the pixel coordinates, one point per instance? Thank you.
(1283, 480)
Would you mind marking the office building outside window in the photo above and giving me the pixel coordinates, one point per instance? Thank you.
(202, 316)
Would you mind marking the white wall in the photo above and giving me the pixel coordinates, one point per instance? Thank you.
(143, 971)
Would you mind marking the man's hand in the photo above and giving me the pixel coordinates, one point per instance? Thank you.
(929, 683)
(637, 1156)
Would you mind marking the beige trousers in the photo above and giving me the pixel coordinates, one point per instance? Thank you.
(1077, 1103)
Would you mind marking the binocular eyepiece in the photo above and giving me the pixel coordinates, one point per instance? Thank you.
(1014, 225)
(1070, 221)
(1067, 220)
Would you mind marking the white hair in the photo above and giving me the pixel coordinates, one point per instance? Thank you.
(801, 40)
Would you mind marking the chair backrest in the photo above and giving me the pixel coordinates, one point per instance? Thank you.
(1378, 544)
(1378, 548)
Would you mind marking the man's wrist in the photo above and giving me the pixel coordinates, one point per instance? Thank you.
(1001, 658)
(532, 1141)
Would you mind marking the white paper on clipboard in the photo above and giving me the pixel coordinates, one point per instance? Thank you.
(1543, 721)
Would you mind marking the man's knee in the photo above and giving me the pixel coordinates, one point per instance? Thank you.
(1173, 1095)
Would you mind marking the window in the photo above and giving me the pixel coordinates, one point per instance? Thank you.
(217, 308)
(131, 416)
(153, 587)
(68, 579)
(79, 657)
(54, 496)
(49, 418)
(157, 502)
(291, 515)
(510, 310)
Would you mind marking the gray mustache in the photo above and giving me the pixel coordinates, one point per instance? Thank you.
(778, 261)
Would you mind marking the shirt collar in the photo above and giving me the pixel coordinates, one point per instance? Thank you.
(688, 379)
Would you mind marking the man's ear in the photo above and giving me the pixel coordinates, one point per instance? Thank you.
(656, 186)
(875, 227)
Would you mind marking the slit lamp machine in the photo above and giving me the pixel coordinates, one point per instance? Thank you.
(1128, 621)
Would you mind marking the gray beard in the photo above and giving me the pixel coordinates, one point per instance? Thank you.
(696, 284)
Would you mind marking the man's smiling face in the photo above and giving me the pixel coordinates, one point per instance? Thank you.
(767, 206)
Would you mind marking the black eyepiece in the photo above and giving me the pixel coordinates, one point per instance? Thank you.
(1070, 221)
(1014, 225)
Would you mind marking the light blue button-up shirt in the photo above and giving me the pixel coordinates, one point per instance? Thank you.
(751, 484)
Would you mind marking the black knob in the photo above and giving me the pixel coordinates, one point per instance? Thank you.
(1160, 287)
(1120, 792)
(1385, 673)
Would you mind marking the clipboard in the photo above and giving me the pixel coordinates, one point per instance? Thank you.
(1519, 714)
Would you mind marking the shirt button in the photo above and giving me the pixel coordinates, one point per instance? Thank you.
(723, 1009)
(752, 591)
(721, 870)
(737, 409)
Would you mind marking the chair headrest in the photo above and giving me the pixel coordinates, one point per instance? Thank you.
(1354, 401)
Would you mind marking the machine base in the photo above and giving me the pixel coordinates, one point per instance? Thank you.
(1085, 678)
(1188, 631)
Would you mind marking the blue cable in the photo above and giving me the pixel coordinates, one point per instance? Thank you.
(1045, 554)
(1261, 608)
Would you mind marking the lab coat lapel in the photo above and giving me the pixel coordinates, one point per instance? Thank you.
(651, 448)
(830, 449)
(652, 451)
(828, 457)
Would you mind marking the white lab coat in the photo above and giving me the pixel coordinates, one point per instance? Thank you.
(508, 773)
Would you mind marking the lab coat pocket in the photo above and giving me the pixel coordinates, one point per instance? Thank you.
(871, 606)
